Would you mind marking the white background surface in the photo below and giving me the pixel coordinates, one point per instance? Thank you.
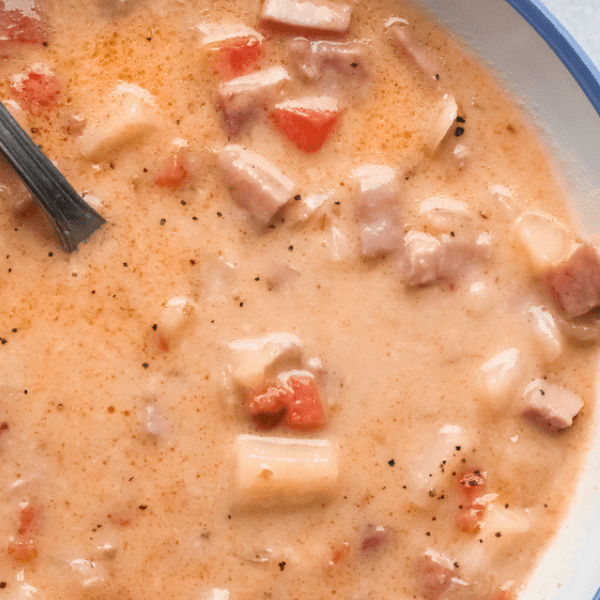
(582, 20)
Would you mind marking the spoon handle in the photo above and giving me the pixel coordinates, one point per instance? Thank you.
(73, 219)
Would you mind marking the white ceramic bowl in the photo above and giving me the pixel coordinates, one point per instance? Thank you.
(545, 69)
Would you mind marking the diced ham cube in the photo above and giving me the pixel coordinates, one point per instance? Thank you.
(575, 284)
(255, 184)
(417, 54)
(378, 210)
(245, 98)
(20, 23)
(306, 122)
(550, 406)
(320, 59)
(435, 573)
(234, 51)
(37, 92)
(268, 409)
(584, 329)
(320, 15)
(420, 261)
(375, 539)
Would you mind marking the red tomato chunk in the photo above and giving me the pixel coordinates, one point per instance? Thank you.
(23, 548)
(37, 93)
(173, 172)
(296, 404)
(306, 128)
(237, 56)
(17, 28)
(472, 485)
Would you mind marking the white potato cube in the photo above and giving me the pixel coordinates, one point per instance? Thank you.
(21, 590)
(500, 377)
(545, 239)
(251, 359)
(545, 332)
(283, 472)
(509, 523)
(446, 214)
(435, 463)
(131, 119)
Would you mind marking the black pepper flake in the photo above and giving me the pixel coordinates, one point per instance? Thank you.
(45, 44)
(337, 203)
(290, 248)
(391, 462)
(456, 565)
(506, 506)
(257, 279)
(111, 165)
(145, 170)
(229, 517)
(192, 262)
(498, 534)
(143, 506)
(154, 326)
(125, 265)
(149, 39)
(3, 341)
(219, 214)
(354, 65)
(183, 202)
(459, 131)
(241, 304)
(34, 130)
(282, 565)
(437, 76)
(428, 533)
(194, 218)
(297, 197)
(452, 234)
(458, 448)
(481, 541)
(542, 392)
(460, 119)
(3, 583)
(145, 365)
(50, 254)
(163, 221)
(14, 330)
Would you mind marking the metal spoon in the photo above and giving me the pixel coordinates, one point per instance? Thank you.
(74, 220)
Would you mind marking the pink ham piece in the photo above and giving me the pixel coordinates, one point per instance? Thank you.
(378, 210)
(317, 60)
(318, 15)
(244, 99)
(20, 24)
(575, 284)
(416, 54)
(437, 576)
(550, 406)
(254, 183)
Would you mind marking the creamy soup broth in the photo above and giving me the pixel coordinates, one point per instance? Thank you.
(119, 437)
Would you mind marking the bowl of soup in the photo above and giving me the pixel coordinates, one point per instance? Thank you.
(338, 337)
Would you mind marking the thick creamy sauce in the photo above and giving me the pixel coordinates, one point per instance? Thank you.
(126, 452)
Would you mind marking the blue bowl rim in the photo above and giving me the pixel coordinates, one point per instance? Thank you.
(571, 54)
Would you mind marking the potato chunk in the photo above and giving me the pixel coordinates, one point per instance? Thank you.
(283, 472)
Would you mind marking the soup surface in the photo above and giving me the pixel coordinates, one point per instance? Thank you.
(322, 347)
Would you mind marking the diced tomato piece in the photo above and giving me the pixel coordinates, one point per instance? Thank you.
(22, 550)
(37, 93)
(472, 485)
(28, 520)
(18, 28)
(268, 409)
(340, 554)
(306, 128)
(173, 172)
(305, 410)
(237, 56)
